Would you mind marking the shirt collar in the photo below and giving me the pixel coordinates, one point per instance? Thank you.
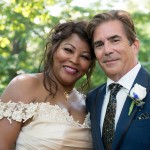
(127, 80)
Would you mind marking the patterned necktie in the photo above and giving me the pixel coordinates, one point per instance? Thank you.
(109, 120)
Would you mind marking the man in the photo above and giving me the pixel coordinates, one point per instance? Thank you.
(116, 48)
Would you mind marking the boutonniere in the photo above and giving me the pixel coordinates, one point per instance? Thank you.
(137, 94)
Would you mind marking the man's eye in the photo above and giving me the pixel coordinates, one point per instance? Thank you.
(115, 40)
(98, 45)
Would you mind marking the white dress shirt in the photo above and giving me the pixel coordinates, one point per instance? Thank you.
(126, 81)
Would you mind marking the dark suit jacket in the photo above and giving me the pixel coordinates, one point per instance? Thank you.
(131, 132)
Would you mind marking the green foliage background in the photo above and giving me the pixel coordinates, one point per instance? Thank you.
(24, 27)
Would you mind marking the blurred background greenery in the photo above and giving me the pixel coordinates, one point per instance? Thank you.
(24, 25)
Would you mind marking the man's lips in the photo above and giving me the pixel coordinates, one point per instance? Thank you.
(109, 60)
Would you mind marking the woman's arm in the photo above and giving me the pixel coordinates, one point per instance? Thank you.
(18, 90)
(8, 133)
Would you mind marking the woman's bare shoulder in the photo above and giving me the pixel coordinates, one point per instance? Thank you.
(22, 88)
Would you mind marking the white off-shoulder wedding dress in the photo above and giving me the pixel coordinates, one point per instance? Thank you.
(48, 127)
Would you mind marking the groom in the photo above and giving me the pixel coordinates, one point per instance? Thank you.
(116, 48)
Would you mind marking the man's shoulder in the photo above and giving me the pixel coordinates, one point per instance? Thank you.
(92, 94)
(143, 74)
(143, 69)
(95, 90)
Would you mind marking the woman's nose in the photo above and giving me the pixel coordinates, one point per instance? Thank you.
(74, 59)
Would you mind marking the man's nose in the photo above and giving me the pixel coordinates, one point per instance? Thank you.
(108, 48)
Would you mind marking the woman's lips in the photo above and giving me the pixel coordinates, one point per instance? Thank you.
(71, 69)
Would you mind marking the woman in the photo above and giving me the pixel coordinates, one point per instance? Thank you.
(44, 111)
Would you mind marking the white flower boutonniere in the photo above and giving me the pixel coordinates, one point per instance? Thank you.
(137, 94)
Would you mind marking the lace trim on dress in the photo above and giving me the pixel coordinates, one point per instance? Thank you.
(55, 113)
(17, 111)
(22, 112)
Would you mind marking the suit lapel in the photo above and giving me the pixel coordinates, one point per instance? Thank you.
(98, 105)
(123, 123)
(125, 120)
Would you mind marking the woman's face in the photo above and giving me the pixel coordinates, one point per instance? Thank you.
(71, 60)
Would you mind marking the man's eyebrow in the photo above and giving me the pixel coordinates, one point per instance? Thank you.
(109, 38)
(113, 37)
(97, 42)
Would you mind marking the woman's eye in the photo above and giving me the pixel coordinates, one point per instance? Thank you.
(68, 50)
(86, 57)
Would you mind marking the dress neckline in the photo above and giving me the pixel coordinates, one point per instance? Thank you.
(46, 106)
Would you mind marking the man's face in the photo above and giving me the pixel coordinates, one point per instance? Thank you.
(115, 54)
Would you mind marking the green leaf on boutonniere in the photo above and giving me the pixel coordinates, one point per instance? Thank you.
(131, 107)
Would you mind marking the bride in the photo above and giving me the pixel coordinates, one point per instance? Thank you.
(44, 111)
